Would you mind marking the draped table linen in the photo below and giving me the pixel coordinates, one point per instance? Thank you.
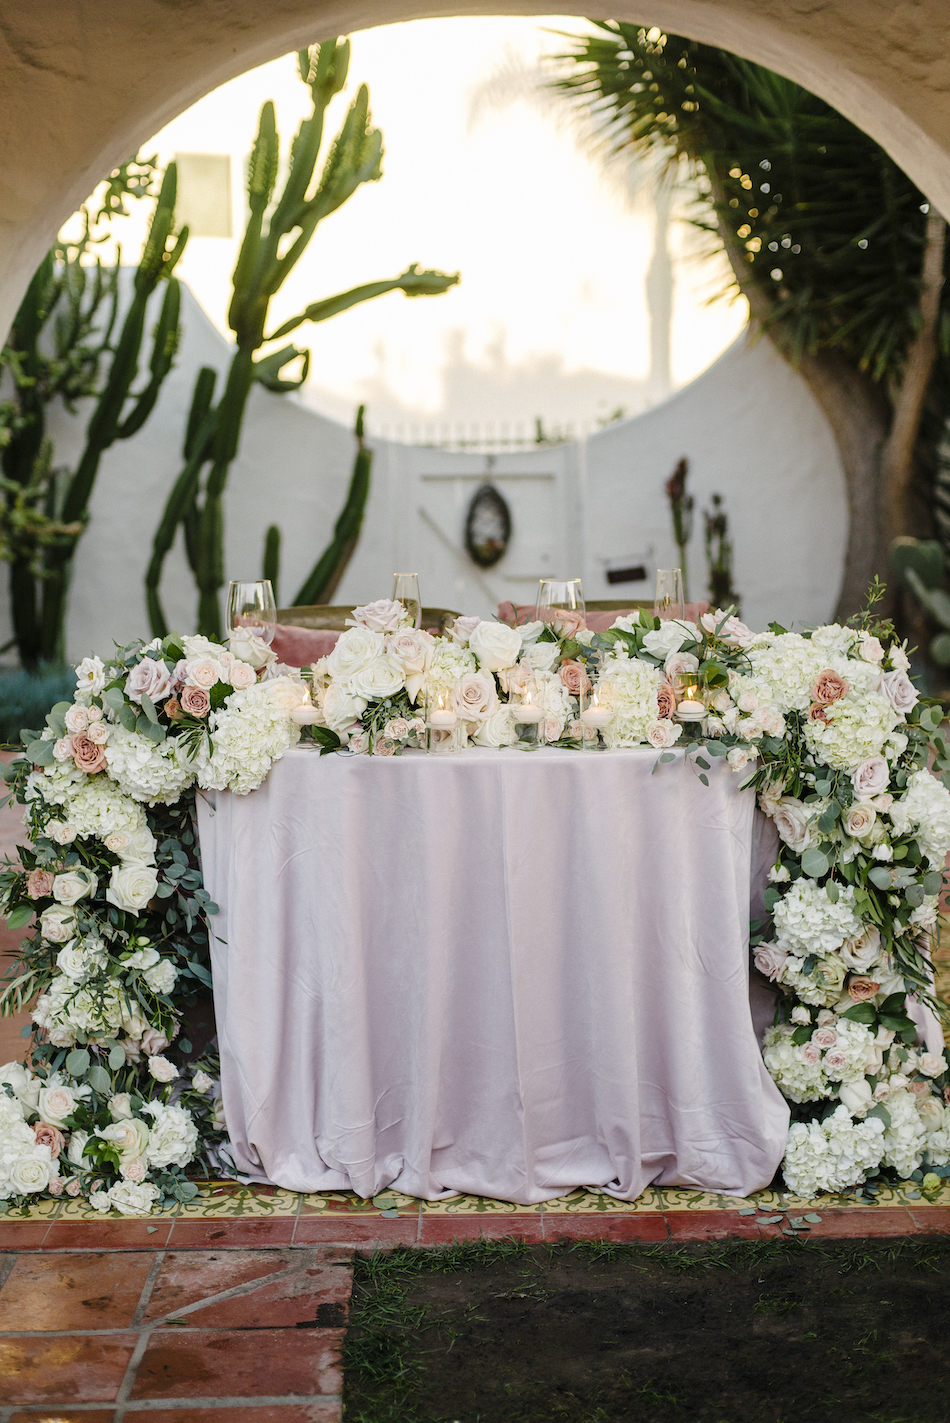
(500, 973)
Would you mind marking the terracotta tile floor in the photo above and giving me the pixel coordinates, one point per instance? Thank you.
(202, 1334)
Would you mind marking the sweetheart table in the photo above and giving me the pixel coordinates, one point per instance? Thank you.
(501, 973)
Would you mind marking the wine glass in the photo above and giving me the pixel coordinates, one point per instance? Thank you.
(559, 595)
(251, 606)
(406, 591)
(668, 603)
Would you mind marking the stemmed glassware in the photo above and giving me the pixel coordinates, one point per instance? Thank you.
(559, 595)
(406, 591)
(668, 603)
(252, 606)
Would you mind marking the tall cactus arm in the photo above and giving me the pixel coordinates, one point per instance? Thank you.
(164, 346)
(267, 370)
(324, 578)
(261, 178)
(411, 281)
(271, 569)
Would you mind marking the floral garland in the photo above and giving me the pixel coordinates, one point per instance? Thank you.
(115, 1104)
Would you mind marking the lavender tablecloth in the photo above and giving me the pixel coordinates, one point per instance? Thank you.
(504, 974)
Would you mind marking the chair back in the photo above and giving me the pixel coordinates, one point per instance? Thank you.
(332, 617)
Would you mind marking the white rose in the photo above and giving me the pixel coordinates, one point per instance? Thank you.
(542, 656)
(413, 648)
(62, 749)
(73, 961)
(161, 978)
(162, 1070)
(738, 758)
(98, 733)
(31, 1172)
(670, 637)
(871, 649)
(870, 777)
(341, 708)
(134, 1170)
(662, 733)
(129, 1136)
(495, 645)
(128, 1198)
(496, 729)
(930, 1112)
(69, 888)
(801, 1015)
(58, 924)
(355, 649)
(59, 831)
(77, 1142)
(139, 848)
(201, 1082)
(856, 1095)
(383, 677)
(791, 822)
(120, 1106)
(932, 1064)
(899, 659)
(246, 647)
(132, 886)
(143, 958)
(462, 629)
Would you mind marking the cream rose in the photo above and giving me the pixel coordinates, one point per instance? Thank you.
(930, 1112)
(31, 1173)
(355, 649)
(856, 1095)
(383, 677)
(241, 675)
(58, 924)
(382, 616)
(932, 1064)
(474, 695)
(132, 886)
(791, 822)
(859, 820)
(770, 960)
(162, 1070)
(150, 678)
(496, 729)
(129, 1136)
(864, 952)
(495, 645)
(462, 629)
(341, 708)
(57, 1103)
(663, 734)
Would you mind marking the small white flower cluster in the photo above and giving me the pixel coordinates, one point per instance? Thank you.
(250, 732)
(807, 922)
(633, 686)
(925, 809)
(155, 773)
(832, 1155)
(26, 1165)
(838, 1051)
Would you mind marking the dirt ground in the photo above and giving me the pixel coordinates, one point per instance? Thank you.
(756, 1332)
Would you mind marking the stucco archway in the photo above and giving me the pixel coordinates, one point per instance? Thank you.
(85, 81)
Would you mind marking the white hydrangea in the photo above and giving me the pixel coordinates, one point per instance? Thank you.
(250, 732)
(634, 686)
(806, 921)
(937, 1146)
(788, 664)
(832, 1155)
(173, 1136)
(162, 978)
(904, 1138)
(858, 726)
(127, 1198)
(926, 809)
(155, 773)
(93, 805)
(795, 1078)
(450, 662)
(822, 986)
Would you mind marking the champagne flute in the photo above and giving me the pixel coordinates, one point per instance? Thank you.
(559, 595)
(668, 603)
(251, 606)
(406, 591)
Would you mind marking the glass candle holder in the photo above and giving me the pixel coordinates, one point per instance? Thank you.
(595, 715)
(669, 602)
(690, 706)
(442, 728)
(527, 715)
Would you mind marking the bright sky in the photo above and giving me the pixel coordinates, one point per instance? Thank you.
(553, 254)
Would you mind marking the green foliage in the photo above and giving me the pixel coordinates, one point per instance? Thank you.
(832, 230)
(324, 577)
(62, 337)
(279, 228)
(271, 568)
(719, 556)
(921, 563)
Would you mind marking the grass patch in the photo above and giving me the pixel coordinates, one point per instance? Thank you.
(772, 1331)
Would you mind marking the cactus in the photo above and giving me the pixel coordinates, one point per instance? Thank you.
(275, 238)
(325, 576)
(921, 563)
(271, 569)
(46, 510)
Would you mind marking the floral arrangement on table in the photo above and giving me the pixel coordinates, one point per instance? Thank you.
(116, 1106)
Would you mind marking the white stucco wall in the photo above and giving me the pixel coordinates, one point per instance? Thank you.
(748, 426)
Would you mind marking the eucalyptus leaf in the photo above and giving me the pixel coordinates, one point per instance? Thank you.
(881, 877)
(20, 916)
(99, 1079)
(40, 752)
(815, 863)
(77, 1063)
(114, 698)
(116, 1058)
(148, 707)
(914, 894)
(126, 716)
(832, 891)
(933, 882)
